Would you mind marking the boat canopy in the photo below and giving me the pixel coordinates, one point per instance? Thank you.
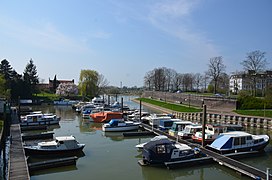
(160, 141)
(65, 138)
(222, 142)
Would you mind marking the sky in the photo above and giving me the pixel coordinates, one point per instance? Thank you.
(124, 39)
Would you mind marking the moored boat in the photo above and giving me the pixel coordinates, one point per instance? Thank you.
(62, 145)
(178, 126)
(165, 150)
(116, 125)
(189, 131)
(141, 145)
(211, 133)
(105, 116)
(238, 141)
(39, 118)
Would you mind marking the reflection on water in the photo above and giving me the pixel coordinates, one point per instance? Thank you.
(110, 155)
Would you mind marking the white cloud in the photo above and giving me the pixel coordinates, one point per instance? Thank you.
(45, 36)
(173, 17)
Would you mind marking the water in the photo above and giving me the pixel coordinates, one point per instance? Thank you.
(111, 156)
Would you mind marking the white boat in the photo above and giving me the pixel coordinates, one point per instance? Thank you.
(238, 141)
(165, 150)
(116, 125)
(140, 146)
(60, 146)
(39, 118)
(178, 126)
(64, 102)
(189, 131)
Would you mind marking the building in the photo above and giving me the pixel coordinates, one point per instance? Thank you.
(245, 81)
(53, 84)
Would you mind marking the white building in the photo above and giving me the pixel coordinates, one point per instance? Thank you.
(244, 81)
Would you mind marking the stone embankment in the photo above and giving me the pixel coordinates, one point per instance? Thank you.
(219, 117)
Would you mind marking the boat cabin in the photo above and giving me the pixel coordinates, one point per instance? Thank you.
(189, 130)
(178, 126)
(166, 124)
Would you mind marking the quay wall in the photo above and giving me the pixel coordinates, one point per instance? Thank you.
(214, 118)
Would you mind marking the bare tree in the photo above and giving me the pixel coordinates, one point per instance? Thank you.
(197, 80)
(216, 68)
(187, 82)
(254, 63)
(177, 81)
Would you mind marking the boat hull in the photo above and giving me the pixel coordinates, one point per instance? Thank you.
(119, 129)
(53, 122)
(31, 151)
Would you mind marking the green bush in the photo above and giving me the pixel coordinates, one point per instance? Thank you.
(249, 102)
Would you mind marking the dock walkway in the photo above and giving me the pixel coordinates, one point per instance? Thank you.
(221, 159)
(18, 169)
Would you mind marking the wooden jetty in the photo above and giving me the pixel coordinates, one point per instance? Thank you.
(238, 166)
(52, 163)
(18, 169)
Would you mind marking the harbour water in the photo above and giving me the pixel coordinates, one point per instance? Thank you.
(111, 156)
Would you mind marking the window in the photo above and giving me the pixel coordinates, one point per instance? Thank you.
(236, 142)
(249, 138)
(161, 149)
(243, 140)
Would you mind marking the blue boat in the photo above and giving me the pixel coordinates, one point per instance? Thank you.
(238, 141)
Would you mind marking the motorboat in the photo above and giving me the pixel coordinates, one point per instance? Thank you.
(238, 141)
(166, 124)
(61, 145)
(211, 133)
(141, 145)
(189, 131)
(116, 125)
(105, 116)
(154, 119)
(38, 118)
(178, 126)
(165, 150)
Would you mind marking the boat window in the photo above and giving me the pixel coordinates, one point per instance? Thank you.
(236, 142)
(161, 149)
(261, 140)
(243, 140)
(256, 141)
(61, 142)
(215, 130)
(221, 131)
(249, 138)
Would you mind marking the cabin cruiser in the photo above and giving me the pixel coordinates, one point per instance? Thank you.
(178, 126)
(164, 150)
(38, 118)
(211, 133)
(166, 124)
(189, 131)
(116, 125)
(238, 141)
(61, 145)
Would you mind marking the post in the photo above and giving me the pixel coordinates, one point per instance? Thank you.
(204, 124)
(267, 173)
(189, 100)
(122, 105)
(108, 99)
(115, 97)
(140, 111)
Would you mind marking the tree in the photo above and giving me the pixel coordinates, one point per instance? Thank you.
(2, 86)
(67, 89)
(6, 70)
(215, 70)
(88, 83)
(254, 63)
(31, 78)
(101, 84)
(55, 83)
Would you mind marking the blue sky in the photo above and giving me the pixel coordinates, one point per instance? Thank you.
(124, 39)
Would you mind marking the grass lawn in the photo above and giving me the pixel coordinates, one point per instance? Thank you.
(174, 107)
(267, 113)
